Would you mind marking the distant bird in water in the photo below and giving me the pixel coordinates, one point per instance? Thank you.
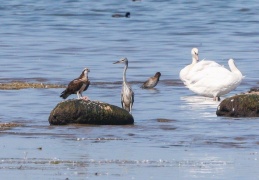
(77, 86)
(127, 15)
(127, 94)
(152, 81)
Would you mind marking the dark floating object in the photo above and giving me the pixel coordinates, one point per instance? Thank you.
(78, 111)
(127, 15)
(151, 82)
(243, 105)
(77, 86)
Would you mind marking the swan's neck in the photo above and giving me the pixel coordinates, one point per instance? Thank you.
(233, 68)
(194, 60)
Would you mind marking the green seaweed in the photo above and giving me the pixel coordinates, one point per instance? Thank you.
(245, 105)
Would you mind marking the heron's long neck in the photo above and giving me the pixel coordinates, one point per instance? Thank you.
(124, 73)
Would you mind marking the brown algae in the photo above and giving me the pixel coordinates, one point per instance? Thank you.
(16, 85)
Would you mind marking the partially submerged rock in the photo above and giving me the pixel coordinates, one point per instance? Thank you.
(89, 112)
(244, 105)
(253, 90)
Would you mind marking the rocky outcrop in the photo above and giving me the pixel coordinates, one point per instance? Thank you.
(243, 105)
(77, 111)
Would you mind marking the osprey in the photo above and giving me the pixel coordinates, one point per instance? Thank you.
(151, 82)
(77, 86)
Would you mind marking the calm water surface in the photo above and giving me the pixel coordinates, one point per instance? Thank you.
(176, 134)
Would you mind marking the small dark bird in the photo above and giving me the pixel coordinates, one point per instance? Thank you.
(151, 82)
(127, 15)
(127, 94)
(77, 86)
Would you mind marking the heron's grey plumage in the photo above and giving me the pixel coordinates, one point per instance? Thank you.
(127, 94)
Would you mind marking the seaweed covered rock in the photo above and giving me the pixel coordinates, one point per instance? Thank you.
(244, 105)
(89, 112)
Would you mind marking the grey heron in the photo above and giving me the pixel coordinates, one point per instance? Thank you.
(127, 94)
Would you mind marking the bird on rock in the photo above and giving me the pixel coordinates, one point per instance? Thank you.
(77, 86)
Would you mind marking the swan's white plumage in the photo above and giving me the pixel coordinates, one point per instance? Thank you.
(188, 72)
(216, 81)
(196, 72)
(184, 72)
(208, 78)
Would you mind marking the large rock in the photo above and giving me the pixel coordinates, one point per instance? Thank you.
(89, 112)
(244, 105)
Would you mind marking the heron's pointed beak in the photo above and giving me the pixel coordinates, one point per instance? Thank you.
(116, 62)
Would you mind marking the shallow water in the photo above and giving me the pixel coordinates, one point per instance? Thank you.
(176, 133)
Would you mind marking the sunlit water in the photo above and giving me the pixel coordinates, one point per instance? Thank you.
(176, 134)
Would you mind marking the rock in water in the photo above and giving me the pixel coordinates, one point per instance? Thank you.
(77, 111)
(244, 105)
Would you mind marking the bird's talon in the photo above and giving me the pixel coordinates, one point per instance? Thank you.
(85, 98)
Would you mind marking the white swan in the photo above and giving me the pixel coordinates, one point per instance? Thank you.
(216, 81)
(184, 72)
(187, 73)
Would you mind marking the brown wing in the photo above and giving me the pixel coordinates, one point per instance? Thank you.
(72, 88)
(87, 85)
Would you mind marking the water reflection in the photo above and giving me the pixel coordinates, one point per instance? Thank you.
(204, 106)
(152, 90)
(199, 102)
